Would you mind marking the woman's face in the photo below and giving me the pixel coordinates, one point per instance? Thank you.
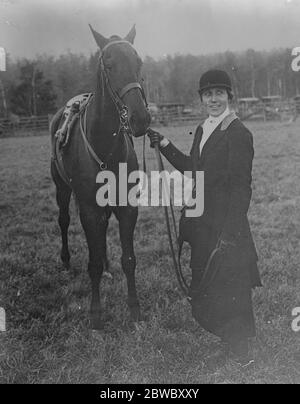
(215, 100)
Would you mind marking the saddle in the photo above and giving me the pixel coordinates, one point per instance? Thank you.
(72, 112)
(69, 117)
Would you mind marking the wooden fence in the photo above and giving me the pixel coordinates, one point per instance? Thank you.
(287, 111)
(174, 118)
(24, 124)
(283, 111)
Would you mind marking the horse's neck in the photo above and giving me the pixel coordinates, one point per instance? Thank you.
(104, 121)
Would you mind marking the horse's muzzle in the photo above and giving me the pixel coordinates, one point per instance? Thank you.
(140, 122)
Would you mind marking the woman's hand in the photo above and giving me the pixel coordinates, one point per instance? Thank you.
(155, 137)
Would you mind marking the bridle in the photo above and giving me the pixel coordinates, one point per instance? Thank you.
(117, 98)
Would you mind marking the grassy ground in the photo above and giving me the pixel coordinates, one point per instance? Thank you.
(48, 340)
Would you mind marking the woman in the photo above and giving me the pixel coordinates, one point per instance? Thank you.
(222, 283)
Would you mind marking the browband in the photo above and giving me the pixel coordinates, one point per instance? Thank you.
(114, 43)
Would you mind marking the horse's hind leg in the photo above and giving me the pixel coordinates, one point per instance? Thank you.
(127, 221)
(103, 244)
(63, 196)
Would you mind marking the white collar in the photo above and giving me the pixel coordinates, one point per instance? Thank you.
(216, 120)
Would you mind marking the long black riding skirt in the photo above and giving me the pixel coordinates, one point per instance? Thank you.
(222, 300)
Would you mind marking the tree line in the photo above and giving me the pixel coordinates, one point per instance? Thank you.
(40, 86)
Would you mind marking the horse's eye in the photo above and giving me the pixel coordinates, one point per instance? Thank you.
(108, 63)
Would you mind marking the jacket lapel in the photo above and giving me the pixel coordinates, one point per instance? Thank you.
(217, 135)
(212, 140)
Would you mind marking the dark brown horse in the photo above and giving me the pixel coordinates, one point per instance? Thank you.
(100, 140)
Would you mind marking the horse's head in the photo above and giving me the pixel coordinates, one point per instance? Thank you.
(122, 67)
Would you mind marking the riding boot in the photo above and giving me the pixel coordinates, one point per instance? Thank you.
(197, 275)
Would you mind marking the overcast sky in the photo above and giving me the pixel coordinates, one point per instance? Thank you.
(28, 27)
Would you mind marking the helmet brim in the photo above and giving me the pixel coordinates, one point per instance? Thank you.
(211, 86)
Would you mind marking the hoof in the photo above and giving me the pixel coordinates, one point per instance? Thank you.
(66, 265)
(65, 258)
(96, 323)
(135, 314)
(97, 336)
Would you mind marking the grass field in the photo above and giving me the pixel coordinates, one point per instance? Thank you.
(48, 340)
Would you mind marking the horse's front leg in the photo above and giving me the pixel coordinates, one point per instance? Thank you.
(127, 221)
(94, 229)
(63, 196)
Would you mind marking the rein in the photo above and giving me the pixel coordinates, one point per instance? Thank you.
(176, 263)
(208, 272)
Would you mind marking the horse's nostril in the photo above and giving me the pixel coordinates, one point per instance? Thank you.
(139, 122)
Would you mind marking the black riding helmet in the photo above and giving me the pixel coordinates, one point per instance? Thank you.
(213, 79)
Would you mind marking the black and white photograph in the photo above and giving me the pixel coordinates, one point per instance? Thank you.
(149, 195)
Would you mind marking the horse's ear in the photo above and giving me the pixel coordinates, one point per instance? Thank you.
(130, 37)
(100, 39)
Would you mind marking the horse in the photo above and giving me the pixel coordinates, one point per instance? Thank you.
(100, 141)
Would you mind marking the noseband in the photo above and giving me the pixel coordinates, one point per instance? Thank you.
(116, 97)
